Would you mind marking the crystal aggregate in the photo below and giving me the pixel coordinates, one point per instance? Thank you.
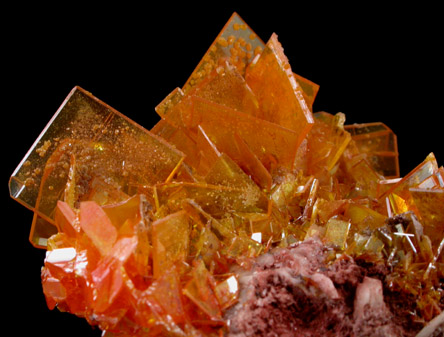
(145, 231)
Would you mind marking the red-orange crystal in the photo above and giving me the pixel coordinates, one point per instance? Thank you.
(147, 232)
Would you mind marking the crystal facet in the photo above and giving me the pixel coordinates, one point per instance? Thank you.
(239, 192)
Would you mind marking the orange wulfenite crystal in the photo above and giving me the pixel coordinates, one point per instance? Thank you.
(151, 233)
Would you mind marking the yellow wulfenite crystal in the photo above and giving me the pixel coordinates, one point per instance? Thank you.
(158, 233)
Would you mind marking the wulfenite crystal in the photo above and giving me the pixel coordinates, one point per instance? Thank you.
(150, 232)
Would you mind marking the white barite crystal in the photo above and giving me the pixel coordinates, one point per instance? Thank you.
(60, 255)
(233, 285)
(257, 237)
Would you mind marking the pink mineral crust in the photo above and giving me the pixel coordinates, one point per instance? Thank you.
(292, 292)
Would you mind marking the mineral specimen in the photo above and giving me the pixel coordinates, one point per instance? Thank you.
(240, 213)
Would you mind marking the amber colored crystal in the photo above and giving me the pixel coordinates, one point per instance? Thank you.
(309, 89)
(379, 144)
(280, 98)
(327, 209)
(99, 157)
(227, 291)
(327, 141)
(268, 141)
(226, 86)
(150, 233)
(365, 177)
(208, 152)
(336, 232)
(180, 138)
(164, 296)
(251, 165)
(429, 203)
(236, 43)
(226, 172)
(170, 241)
(364, 217)
(399, 195)
(214, 199)
(200, 290)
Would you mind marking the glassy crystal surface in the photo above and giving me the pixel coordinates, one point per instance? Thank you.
(88, 151)
(157, 233)
(279, 95)
(236, 43)
(379, 143)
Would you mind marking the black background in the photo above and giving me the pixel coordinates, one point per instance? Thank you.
(373, 63)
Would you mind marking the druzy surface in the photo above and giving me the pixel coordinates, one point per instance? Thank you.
(148, 232)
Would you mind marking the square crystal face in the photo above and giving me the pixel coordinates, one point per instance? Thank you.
(88, 150)
(236, 43)
(380, 144)
(239, 45)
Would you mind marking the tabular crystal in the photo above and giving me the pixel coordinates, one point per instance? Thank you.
(239, 213)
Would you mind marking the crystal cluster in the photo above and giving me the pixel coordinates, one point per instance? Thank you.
(146, 231)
